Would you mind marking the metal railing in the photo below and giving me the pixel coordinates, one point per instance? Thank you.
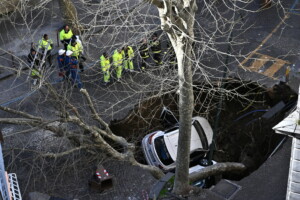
(9, 187)
(3, 179)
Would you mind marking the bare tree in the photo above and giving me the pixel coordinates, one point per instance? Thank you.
(112, 24)
(177, 19)
(70, 15)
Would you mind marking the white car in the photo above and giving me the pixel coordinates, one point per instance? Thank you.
(160, 147)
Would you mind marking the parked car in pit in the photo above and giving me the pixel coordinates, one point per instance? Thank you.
(160, 147)
(197, 168)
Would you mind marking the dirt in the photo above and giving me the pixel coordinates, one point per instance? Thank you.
(242, 135)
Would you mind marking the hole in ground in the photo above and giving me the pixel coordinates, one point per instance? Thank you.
(243, 135)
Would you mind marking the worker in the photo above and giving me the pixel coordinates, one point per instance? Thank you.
(33, 56)
(76, 39)
(75, 48)
(75, 72)
(170, 55)
(35, 75)
(118, 62)
(81, 58)
(61, 62)
(144, 53)
(128, 56)
(156, 49)
(77, 52)
(46, 44)
(67, 68)
(105, 66)
(65, 36)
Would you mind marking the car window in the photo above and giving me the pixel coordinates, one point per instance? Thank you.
(201, 133)
(162, 151)
(172, 129)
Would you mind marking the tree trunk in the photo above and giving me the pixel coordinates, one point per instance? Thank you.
(177, 19)
(70, 16)
(7, 6)
(186, 105)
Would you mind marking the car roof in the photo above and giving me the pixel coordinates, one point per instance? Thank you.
(171, 141)
(206, 127)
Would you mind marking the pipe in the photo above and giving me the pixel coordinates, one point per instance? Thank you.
(248, 113)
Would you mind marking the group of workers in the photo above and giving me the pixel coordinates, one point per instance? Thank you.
(70, 58)
(122, 58)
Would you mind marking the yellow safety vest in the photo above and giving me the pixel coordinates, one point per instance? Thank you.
(105, 63)
(117, 58)
(35, 72)
(65, 36)
(76, 49)
(130, 52)
(45, 43)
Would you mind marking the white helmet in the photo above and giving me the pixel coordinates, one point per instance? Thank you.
(69, 52)
(61, 52)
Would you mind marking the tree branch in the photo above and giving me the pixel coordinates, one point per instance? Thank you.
(20, 121)
(157, 3)
(107, 132)
(57, 155)
(97, 138)
(6, 109)
(95, 114)
(217, 169)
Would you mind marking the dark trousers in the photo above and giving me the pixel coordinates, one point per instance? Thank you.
(67, 72)
(76, 77)
(144, 63)
(66, 43)
(81, 60)
(49, 57)
(157, 58)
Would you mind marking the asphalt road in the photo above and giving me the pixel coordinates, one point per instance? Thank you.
(270, 46)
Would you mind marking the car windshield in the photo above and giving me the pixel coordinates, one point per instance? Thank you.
(162, 151)
(201, 134)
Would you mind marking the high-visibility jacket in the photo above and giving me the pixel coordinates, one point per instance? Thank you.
(129, 54)
(43, 44)
(79, 43)
(65, 36)
(144, 51)
(156, 46)
(35, 72)
(105, 63)
(76, 49)
(117, 58)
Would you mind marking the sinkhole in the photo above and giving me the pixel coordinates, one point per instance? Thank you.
(247, 113)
